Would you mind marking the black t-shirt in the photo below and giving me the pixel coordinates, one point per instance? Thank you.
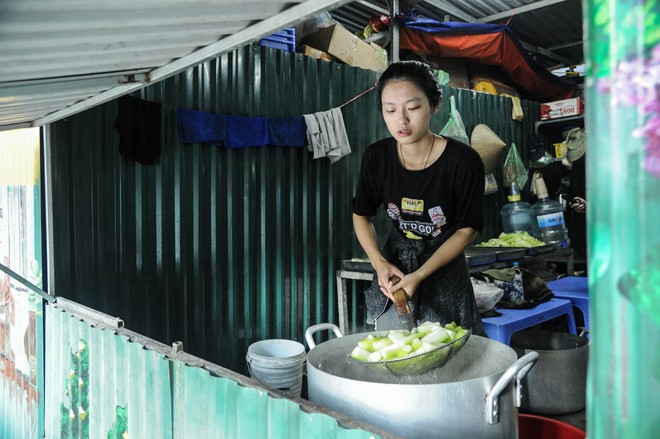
(446, 196)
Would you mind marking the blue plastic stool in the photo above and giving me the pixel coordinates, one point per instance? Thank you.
(575, 289)
(501, 327)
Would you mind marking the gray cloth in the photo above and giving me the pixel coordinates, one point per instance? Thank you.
(326, 135)
(446, 296)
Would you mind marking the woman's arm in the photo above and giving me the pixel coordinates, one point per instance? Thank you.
(366, 235)
(446, 253)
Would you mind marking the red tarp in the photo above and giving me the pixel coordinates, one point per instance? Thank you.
(486, 44)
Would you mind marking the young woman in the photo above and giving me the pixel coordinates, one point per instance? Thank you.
(432, 189)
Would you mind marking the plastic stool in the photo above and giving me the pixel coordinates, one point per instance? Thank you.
(570, 283)
(501, 327)
(575, 289)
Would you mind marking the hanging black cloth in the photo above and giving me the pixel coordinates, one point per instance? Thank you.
(138, 125)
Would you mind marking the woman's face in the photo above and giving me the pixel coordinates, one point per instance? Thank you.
(406, 111)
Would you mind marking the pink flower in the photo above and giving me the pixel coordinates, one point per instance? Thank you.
(637, 83)
(652, 165)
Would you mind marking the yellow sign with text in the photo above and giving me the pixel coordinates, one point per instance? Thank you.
(413, 207)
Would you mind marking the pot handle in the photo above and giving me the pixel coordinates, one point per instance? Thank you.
(309, 334)
(517, 370)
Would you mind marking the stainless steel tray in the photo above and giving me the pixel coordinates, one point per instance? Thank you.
(540, 249)
(480, 257)
(500, 253)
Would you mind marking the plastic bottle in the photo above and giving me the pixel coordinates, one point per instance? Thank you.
(518, 295)
(548, 223)
(516, 213)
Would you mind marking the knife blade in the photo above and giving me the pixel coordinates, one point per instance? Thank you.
(402, 309)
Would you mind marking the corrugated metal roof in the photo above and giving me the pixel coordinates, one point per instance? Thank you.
(60, 57)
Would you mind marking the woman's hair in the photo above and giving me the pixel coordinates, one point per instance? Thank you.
(419, 73)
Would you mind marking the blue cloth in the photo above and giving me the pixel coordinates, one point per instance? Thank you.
(240, 131)
(287, 131)
(199, 126)
(243, 132)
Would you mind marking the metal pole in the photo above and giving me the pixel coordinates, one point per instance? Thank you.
(395, 31)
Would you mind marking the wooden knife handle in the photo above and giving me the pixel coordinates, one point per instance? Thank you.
(400, 298)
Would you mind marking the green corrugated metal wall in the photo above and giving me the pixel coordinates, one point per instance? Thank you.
(220, 248)
(111, 382)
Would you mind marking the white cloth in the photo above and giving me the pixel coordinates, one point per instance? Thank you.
(326, 135)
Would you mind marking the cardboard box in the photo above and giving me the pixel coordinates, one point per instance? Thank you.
(563, 108)
(316, 53)
(347, 47)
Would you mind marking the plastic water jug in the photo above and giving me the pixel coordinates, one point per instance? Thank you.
(548, 223)
(516, 213)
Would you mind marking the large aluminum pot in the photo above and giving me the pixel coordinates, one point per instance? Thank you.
(474, 395)
(558, 383)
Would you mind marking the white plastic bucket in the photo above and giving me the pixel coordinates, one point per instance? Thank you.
(278, 363)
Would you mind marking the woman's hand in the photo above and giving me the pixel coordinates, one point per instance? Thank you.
(408, 283)
(385, 273)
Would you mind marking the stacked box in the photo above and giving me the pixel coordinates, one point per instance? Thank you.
(348, 48)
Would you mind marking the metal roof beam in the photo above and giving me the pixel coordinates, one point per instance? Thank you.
(527, 8)
(566, 45)
(44, 87)
(546, 53)
(446, 7)
(373, 7)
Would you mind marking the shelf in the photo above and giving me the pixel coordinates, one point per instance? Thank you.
(571, 120)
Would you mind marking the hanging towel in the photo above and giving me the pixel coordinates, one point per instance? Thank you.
(138, 125)
(326, 135)
(516, 111)
(198, 126)
(243, 132)
(287, 131)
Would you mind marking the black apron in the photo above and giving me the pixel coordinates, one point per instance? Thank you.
(446, 296)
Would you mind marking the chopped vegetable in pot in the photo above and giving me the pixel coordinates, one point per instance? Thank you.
(401, 343)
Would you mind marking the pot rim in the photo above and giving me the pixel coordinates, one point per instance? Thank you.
(328, 358)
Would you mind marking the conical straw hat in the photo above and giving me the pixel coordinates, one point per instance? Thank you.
(575, 144)
(488, 145)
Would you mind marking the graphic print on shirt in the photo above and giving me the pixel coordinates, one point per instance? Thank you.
(417, 229)
(438, 218)
(393, 211)
(412, 207)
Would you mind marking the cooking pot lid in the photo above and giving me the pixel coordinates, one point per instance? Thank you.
(480, 357)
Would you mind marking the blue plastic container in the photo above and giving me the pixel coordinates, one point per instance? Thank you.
(283, 40)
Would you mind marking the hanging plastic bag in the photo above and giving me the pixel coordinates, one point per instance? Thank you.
(514, 169)
(538, 156)
(443, 78)
(490, 184)
(454, 128)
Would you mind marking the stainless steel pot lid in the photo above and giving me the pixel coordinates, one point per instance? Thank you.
(480, 357)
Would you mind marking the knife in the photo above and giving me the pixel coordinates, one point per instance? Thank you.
(402, 309)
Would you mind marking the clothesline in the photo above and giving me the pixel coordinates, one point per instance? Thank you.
(359, 96)
(323, 132)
